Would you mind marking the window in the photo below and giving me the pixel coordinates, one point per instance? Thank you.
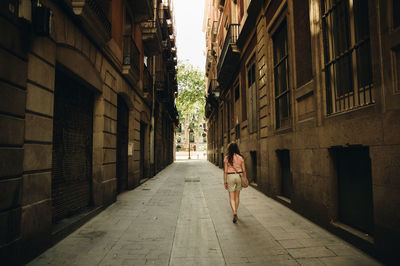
(354, 187)
(302, 39)
(9, 8)
(395, 14)
(348, 72)
(237, 95)
(396, 53)
(281, 75)
(241, 10)
(243, 88)
(252, 95)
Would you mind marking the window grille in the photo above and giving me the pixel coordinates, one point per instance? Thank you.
(348, 73)
(281, 75)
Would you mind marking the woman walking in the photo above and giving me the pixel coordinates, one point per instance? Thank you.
(233, 166)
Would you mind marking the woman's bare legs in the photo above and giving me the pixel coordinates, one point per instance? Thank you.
(232, 201)
(237, 193)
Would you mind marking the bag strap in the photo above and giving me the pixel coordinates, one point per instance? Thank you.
(234, 167)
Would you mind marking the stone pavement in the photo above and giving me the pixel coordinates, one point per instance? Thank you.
(182, 217)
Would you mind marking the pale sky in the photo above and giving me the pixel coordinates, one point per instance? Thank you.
(190, 39)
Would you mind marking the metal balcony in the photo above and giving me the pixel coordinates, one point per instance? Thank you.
(131, 60)
(151, 35)
(94, 19)
(142, 9)
(230, 56)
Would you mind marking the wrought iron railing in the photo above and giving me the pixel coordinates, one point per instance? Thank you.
(131, 54)
(149, 26)
(230, 39)
(98, 10)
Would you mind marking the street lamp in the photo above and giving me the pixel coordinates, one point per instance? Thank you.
(190, 139)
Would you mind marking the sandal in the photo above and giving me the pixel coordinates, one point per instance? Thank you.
(235, 218)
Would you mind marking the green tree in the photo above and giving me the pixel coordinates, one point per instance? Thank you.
(191, 93)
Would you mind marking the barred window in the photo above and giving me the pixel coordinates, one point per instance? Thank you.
(395, 14)
(347, 51)
(281, 75)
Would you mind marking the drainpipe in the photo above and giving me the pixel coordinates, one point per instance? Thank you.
(152, 136)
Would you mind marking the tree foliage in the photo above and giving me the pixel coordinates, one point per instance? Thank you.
(191, 93)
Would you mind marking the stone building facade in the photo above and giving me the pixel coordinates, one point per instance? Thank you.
(87, 110)
(309, 89)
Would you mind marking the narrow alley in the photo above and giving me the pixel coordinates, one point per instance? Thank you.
(182, 217)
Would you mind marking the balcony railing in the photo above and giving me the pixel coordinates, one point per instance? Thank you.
(230, 39)
(94, 19)
(142, 9)
(151, 31)
(98, 10)
(131, 57)
(229, 57)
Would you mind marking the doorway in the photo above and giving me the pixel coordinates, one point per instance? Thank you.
(122, 144)
(71, 187)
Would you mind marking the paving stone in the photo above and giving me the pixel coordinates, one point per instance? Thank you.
(349, 261)
(310, 262)
(167, 221)
(312, 252)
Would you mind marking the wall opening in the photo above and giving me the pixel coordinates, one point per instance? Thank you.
(143, 170)
(355, 205)
(122, 144)
(285, 173)
(72, 146)
(253, 156)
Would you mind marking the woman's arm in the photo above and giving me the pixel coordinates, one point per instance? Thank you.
(225, 175)
(244, 168)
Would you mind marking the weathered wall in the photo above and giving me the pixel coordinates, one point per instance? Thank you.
(313, 134)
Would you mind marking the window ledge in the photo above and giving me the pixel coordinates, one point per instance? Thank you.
(283, 130)
(357, 108)
(353, 231)
(287, 200)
